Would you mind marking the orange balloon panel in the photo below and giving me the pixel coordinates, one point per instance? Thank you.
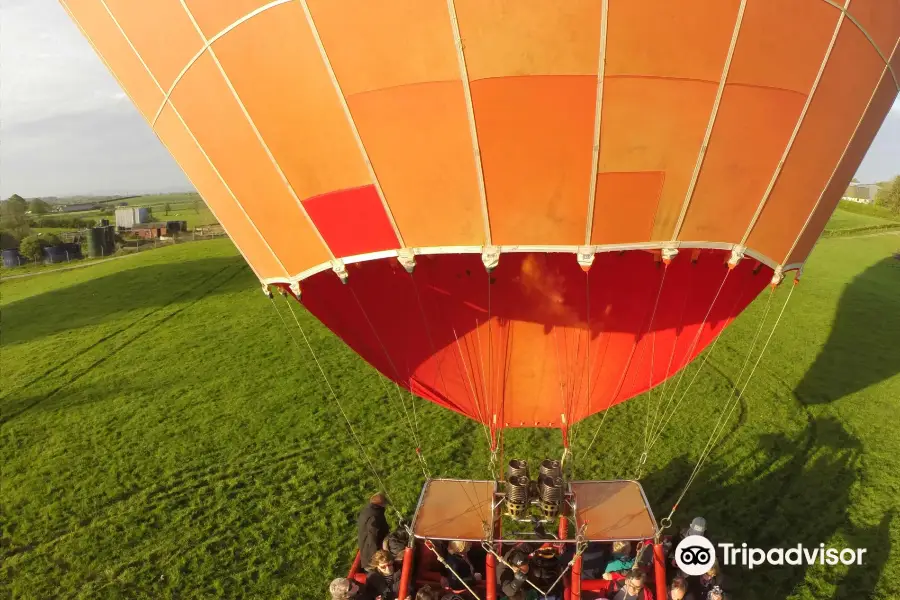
(320, 130)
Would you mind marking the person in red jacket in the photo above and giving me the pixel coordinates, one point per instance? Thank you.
(634, 587)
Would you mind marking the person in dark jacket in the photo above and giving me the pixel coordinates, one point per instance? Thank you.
(372, 528)
(457, 558)
(702, 585)
(512, 581)
(384, 579)
(544, 569)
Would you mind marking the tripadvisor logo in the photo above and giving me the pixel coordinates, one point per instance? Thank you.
(695, 555)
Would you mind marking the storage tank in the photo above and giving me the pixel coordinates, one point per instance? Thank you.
(101, 241)
(11, 258)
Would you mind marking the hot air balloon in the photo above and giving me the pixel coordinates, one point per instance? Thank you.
(523, 211)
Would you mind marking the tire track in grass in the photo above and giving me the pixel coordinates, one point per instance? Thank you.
(189, 482)
(112, 336)
(81, 351)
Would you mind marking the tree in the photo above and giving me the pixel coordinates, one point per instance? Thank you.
(8, 240)
(889, 196)
(197, 202)
(33, 248)
(166, 208)
(39, 207)
(12, 215)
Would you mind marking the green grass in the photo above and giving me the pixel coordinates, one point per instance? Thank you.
(162, 436)
(868, 209)
(844, 219)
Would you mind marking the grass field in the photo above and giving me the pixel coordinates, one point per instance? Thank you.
(161, 436)
(844, 219)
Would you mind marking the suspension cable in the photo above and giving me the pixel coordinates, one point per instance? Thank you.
(472, 389)
(443, 561)
(697, 336)
(643, 457)
(628, 363)
(706, 357)
(719, 429)
(387, 355)
(343, 412)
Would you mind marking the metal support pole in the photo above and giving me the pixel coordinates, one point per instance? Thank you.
(406, 572)
(563, 531)
(490, 578)
(659, 567)
(575, 588)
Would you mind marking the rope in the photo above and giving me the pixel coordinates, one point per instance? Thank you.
(696, 339)
(707, 355)
(628, 364)
(577, 427)
(643, 457)
(343, 413)
(422, 463)
(580, 546)
(413, 431)
(759, 329)
(443, 561)
(684, 305)
(472, 389)
(719, 429)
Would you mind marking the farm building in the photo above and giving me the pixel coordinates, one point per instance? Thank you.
(150, 231)
(129, 216)
(863, 193)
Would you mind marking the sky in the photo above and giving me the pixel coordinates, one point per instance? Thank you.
(67, 128)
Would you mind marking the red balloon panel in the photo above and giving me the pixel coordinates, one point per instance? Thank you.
(538, 342)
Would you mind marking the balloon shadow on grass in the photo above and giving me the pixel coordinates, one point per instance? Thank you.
(862, 349)
(797, 491)
(98, 300)
(214, 276)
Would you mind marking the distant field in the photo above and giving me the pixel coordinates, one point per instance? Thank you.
(181, 208)
(868, 209)
(844, 219)
(162, 436)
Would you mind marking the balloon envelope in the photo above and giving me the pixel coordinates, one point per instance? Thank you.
(327, 134)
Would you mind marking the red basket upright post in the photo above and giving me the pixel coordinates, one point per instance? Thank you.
(659, 567)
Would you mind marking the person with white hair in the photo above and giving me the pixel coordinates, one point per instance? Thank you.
(348, 589)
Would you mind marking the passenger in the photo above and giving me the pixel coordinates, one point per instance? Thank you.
(709, 580)
(347, 589)
(512, 581)
(384, 579)
(543, 571)
(427, 593)
(620, 562)
(465, 573)
(396, 543)
(634, 587)
(697, 527)
(372, 528)
(715, 593)
(593, 560)
(678, 589)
